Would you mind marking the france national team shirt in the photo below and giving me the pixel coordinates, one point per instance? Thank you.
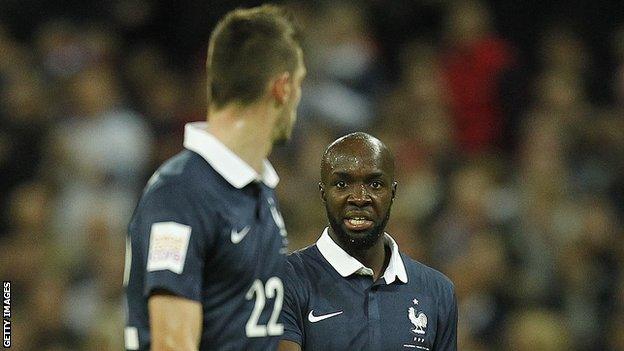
(332, 303)
(207, 228)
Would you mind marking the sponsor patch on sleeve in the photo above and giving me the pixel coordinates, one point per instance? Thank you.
(168, 246)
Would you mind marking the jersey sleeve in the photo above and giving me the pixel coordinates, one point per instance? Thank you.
(173, 240)
(294, 302)
(446, 337)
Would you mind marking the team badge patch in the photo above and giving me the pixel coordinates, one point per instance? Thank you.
(168, 246)
(418, 319)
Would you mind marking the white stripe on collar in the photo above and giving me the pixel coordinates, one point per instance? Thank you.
(231, 167)
(347, 265)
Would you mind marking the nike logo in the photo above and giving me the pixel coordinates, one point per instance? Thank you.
(238, 236)
(313, 319)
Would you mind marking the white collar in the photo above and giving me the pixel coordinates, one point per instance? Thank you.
(347, 265)
(231, 167)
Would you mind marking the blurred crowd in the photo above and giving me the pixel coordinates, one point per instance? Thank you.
(510, 161)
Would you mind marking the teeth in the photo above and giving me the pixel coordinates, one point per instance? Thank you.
(357, 221)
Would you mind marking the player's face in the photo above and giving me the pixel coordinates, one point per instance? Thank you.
(358, 192)
(288, 116)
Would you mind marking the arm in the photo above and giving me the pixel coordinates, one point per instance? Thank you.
(291, 316)
(173, 242)
(175, 323)
(286, 345)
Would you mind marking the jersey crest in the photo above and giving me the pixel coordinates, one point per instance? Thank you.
(418, 318)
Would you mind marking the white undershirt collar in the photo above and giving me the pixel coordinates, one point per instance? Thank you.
(347, 265)
(231, 167)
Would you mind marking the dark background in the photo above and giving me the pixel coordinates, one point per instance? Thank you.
(506, 119)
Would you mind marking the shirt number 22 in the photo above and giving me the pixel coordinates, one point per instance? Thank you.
(272, 289)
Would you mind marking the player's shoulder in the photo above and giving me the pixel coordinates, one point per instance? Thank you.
(303, 256)
(186, 173)
(302, 269)
(302, 262)
(181, 170)
(176, 185)
(426, 275)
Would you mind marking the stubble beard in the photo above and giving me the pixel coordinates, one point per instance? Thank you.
(359, 243)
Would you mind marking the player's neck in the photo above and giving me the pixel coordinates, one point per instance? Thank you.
(373, 258)
(376, 257)
(244, 130)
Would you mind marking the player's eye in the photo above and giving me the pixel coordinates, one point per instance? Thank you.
(375, 184)
(341, 184)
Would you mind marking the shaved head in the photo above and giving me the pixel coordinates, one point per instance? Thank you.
(350, 147)
(357, 187)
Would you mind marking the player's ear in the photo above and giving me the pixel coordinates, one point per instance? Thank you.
(321, 190)
(394, 188)
(281, 88)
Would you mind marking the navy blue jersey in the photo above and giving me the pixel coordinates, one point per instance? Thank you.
(207, 230)
(332, 303)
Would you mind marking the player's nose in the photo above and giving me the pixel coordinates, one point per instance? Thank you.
(359, 196)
